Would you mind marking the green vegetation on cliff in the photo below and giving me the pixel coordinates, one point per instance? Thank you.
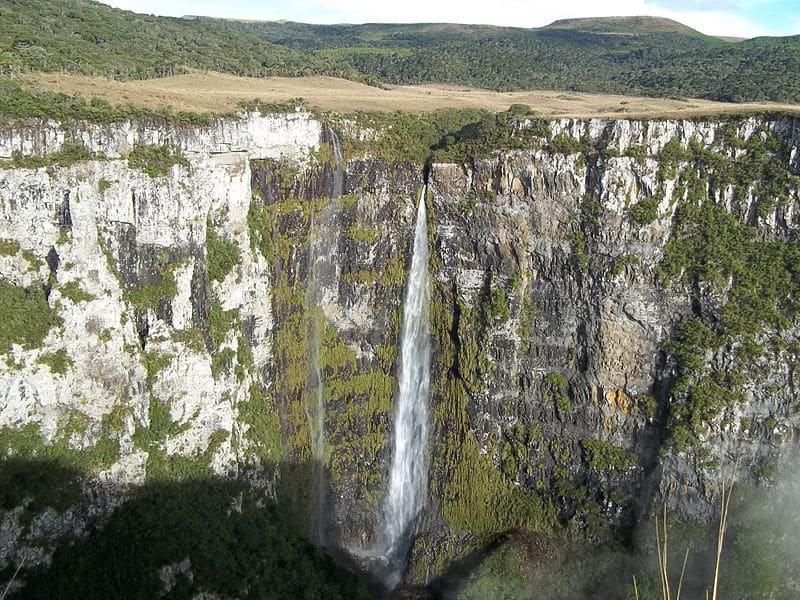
(475, 495)
(221, 255)
(150, 296)
(25, 316)
(277, 231)
(357, 391)
(58, 362)
(156, 161)
(457, 136)
(750, 283)
(68, 154)
(401, 136)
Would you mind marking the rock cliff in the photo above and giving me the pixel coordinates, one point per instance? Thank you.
(613, 315)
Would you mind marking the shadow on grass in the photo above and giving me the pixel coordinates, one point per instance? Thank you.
(213, 535)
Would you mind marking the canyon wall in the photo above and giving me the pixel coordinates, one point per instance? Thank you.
(613, 317)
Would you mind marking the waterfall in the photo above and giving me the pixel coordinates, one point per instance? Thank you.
(323, 288)
(338, 167)
(408, 480)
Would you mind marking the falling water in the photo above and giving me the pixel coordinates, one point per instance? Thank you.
(408, 480)
(323, 288)
(338, 167)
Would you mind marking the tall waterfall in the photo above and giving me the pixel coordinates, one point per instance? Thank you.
(323, 287)
(408, 480)
(338, 167)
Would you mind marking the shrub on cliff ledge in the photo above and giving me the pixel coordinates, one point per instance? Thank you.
(221, 255)
(156, 161)
(25, 316)
(70, 153)
(644, 212)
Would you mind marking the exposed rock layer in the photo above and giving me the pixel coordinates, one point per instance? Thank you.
(179, 328)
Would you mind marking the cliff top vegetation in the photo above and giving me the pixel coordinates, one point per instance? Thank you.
(220, 93)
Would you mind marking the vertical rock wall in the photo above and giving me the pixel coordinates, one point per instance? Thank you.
(586, 324)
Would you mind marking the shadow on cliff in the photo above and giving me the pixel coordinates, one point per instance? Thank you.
(170, 539)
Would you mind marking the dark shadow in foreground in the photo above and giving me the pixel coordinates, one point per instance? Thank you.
(175, 539)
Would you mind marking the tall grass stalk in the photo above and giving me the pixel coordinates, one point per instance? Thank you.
(662, 547)
(725, 502)
(10, 581)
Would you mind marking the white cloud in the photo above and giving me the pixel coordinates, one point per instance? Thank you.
(719, 21)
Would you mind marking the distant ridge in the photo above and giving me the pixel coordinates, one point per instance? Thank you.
(624, 25)
(642, 55)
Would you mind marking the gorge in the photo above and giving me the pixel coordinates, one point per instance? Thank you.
(214, 314)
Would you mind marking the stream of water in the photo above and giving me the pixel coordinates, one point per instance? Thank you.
(323, 288)
(408, 480)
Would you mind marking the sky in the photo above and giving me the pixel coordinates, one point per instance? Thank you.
(742, 18)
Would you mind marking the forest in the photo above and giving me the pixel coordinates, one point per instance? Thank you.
(642, 56)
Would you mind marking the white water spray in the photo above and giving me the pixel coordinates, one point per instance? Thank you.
(408, 480)
(323, 287)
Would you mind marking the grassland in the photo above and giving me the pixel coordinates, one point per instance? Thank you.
(221, 93)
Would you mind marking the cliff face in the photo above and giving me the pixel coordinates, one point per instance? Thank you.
(613, 317)
(137, 317)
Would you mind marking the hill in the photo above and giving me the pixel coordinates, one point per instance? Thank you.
(82, 36)
(638, 55)
(624, 25)
(642, 56)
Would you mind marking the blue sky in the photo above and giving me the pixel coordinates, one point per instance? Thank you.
(745, 18)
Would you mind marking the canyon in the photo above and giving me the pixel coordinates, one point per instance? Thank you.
(613, 328)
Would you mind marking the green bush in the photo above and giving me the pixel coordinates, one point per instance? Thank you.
(73, 291)
(58, 361)
(607, 457)
(156, 161)
(220, 322)
(25, 316)
(621, 262)
(564, 143)
(70, 153)
(555, 388)
(221, 256)
(149, 296)
(499, 306)
(643, 212)
(638, 153)
(579, 250)
(362, 233)
(9, 247)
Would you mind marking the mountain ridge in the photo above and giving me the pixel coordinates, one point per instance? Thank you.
(640, 24)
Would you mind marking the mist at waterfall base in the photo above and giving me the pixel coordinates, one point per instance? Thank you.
(323, 281)
(760, 556)
(408, 479)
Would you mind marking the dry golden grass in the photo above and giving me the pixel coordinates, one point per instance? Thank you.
(220, 93)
